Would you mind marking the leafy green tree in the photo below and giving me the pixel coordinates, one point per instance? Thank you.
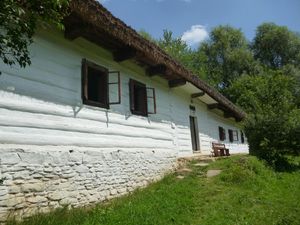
(226, 56)
(293, 72)
(19, 20)
(272, 125)
(178, 49)
(276, 46)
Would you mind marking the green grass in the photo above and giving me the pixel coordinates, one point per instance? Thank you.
(246, 192)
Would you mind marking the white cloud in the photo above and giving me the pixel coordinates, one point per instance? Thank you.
(195, 35)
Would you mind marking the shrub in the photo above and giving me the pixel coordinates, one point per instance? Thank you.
(273, 122)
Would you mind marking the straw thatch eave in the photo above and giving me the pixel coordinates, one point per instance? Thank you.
(89, 19)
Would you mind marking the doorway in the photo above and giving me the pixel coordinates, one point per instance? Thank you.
(194, 133)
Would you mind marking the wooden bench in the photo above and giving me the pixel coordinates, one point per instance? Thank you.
(219, 150)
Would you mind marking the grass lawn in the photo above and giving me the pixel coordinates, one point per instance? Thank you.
(246, 192)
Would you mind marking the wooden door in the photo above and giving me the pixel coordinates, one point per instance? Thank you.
(194, 133)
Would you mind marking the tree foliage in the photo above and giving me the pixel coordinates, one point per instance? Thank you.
(276, 46)
(226, 56)
(273, 122)
(178, 49)
(18, 22)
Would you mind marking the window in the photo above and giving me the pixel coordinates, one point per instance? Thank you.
(235, 135)
(222, 134)
(95, 85)
(242, 137)
(230, 134)
(141, 98)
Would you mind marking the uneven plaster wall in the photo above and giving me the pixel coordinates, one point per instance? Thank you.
(54, 150)
(37, 179)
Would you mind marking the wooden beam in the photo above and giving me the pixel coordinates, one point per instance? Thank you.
(228, 114)
(199, 94)
(155, 70)
(72, 34)
(177, 82)
(123, 54)
(238, 119)
(213, 106)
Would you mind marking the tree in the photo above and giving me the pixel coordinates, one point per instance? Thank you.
(272, 125)
(276, 46)
(19, 20)
(293, 72)
(178, 49)
(226, 56)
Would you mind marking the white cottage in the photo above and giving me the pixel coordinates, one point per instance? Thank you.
(100, 112)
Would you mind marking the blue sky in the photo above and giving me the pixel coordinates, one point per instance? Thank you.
(193, 19)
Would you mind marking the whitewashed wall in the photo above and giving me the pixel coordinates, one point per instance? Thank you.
(41, 105)
(209, 122)
(41, 111)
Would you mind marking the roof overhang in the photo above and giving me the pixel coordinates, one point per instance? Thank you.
(90, 20)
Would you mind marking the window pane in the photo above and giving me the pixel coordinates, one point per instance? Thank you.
(97, 85)
(140, 99)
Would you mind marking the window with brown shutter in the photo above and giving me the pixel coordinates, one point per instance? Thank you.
(242, 137)
(140, 98)
(95, 85)
(222, 134)
(235, 135)
(230, 134)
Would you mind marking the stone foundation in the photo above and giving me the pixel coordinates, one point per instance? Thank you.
(38, 179)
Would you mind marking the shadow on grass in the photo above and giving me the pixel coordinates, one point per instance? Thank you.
(287, 164)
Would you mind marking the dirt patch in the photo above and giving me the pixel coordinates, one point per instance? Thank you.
(212, 173)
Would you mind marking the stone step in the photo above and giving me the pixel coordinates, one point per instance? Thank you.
(201, 164)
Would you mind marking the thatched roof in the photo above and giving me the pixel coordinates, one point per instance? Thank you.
(90, 20)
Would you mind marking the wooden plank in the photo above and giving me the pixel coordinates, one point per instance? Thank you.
(123, 54)
(228, 114)
(72, 34)
(199, 94)
(177, 82)
(213, 106)
(156, 70)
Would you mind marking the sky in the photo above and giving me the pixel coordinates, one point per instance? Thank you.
(192, 20)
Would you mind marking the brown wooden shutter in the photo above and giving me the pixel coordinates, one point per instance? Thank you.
(230, 133)
(84, 79)
(118, 83)
(236, 135)
(143, 103)
(242, 137)
(222, 134)
(153, 99)
(131, 94)
(138, 98)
